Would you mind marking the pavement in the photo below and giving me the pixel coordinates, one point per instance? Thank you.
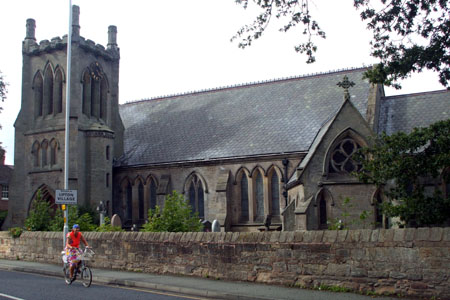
(185, 285)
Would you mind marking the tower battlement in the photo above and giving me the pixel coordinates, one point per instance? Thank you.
(32, 48)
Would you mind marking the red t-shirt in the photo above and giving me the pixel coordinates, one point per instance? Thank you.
(75, 239)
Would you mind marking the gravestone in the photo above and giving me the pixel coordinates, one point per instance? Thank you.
(115, 221)
(215, 226)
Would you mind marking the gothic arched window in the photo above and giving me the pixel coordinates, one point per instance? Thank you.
(87, 93)
(342, 157)
(53, 152)
(141, 200)
(275, 194)
(323, 218)
(38, 89)
(196, 196)
(48, 91)
(35, 153)
(152, 188)
(44, 149)
(378, 210)
(244, 197)
(129, 203)
(58, 91)
(103, 98)
(107, 152)
(259, 196)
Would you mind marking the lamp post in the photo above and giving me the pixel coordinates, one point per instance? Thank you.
(66, 140)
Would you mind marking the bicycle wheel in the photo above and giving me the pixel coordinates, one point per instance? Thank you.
(86, 276)
(66, 270)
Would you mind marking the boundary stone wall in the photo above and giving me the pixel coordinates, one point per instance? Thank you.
(411, 262)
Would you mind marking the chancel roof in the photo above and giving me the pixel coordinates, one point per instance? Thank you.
(405, 112)
(274, 117)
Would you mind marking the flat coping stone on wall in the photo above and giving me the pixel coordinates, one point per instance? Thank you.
(330, 236)
(312, 236)
(386, 235)
(275, 236)
(422, 234)
(365, 235)
(283, 237)
(436, 234)
(298, 236)
(290, 236)
(375, 235)
(353, 236)
(228, 237)
(446, 234)
(342, 235)
(235, 237)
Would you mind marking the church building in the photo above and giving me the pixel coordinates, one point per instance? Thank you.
(273, 155)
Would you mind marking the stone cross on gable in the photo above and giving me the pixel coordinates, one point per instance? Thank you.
(345, 84)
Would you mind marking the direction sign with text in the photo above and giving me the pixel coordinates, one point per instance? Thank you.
(66, 197)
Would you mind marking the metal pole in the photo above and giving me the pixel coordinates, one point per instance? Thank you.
(66, 141)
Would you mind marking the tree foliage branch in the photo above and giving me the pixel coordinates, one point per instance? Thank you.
(411, 169)
(295, 12)
(408, 35)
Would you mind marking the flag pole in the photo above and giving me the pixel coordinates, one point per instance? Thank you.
(67, 141)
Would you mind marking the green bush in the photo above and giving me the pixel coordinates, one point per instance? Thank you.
(346, 220)
(3, 214)
(40, 217)
(85, 220)
(176, 216)
(15, 232)
(107, 227)
(43, 218)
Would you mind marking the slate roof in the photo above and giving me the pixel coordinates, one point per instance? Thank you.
(404, 112)
(274, 117)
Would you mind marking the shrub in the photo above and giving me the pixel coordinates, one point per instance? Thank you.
(40, 216)
(176, 216)
(3, 214)
(107, 227)
(85, 220)
(15, 232)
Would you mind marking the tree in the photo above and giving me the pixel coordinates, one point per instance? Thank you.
(40, 216)
(394, 26)
(415, 165)
(3, 92)
(176, 216)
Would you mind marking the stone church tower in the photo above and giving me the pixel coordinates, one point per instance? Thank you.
(96, 129)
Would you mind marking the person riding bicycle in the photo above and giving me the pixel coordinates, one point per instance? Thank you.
(72, 247)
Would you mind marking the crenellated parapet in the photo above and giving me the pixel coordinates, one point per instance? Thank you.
(32, 48)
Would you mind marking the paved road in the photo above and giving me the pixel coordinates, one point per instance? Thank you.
(197, 288)
(17, 285)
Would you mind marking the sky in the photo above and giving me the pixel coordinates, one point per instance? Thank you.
(176, 46)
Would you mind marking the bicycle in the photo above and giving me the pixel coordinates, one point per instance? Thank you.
(81, 268)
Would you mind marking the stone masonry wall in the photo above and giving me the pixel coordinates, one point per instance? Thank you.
(413, 262)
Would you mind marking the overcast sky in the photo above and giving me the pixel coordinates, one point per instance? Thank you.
(175, 46)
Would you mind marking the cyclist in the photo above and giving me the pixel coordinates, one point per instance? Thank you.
(72, 247)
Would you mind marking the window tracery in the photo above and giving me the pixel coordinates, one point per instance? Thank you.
(244, 197)
(342, 157)
(95, 90)
(196, 195)
(259, 197)
(38, 88)
(48, 91)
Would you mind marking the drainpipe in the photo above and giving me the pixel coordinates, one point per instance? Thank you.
(285, 192)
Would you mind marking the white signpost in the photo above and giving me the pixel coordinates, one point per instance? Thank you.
(68, 197)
